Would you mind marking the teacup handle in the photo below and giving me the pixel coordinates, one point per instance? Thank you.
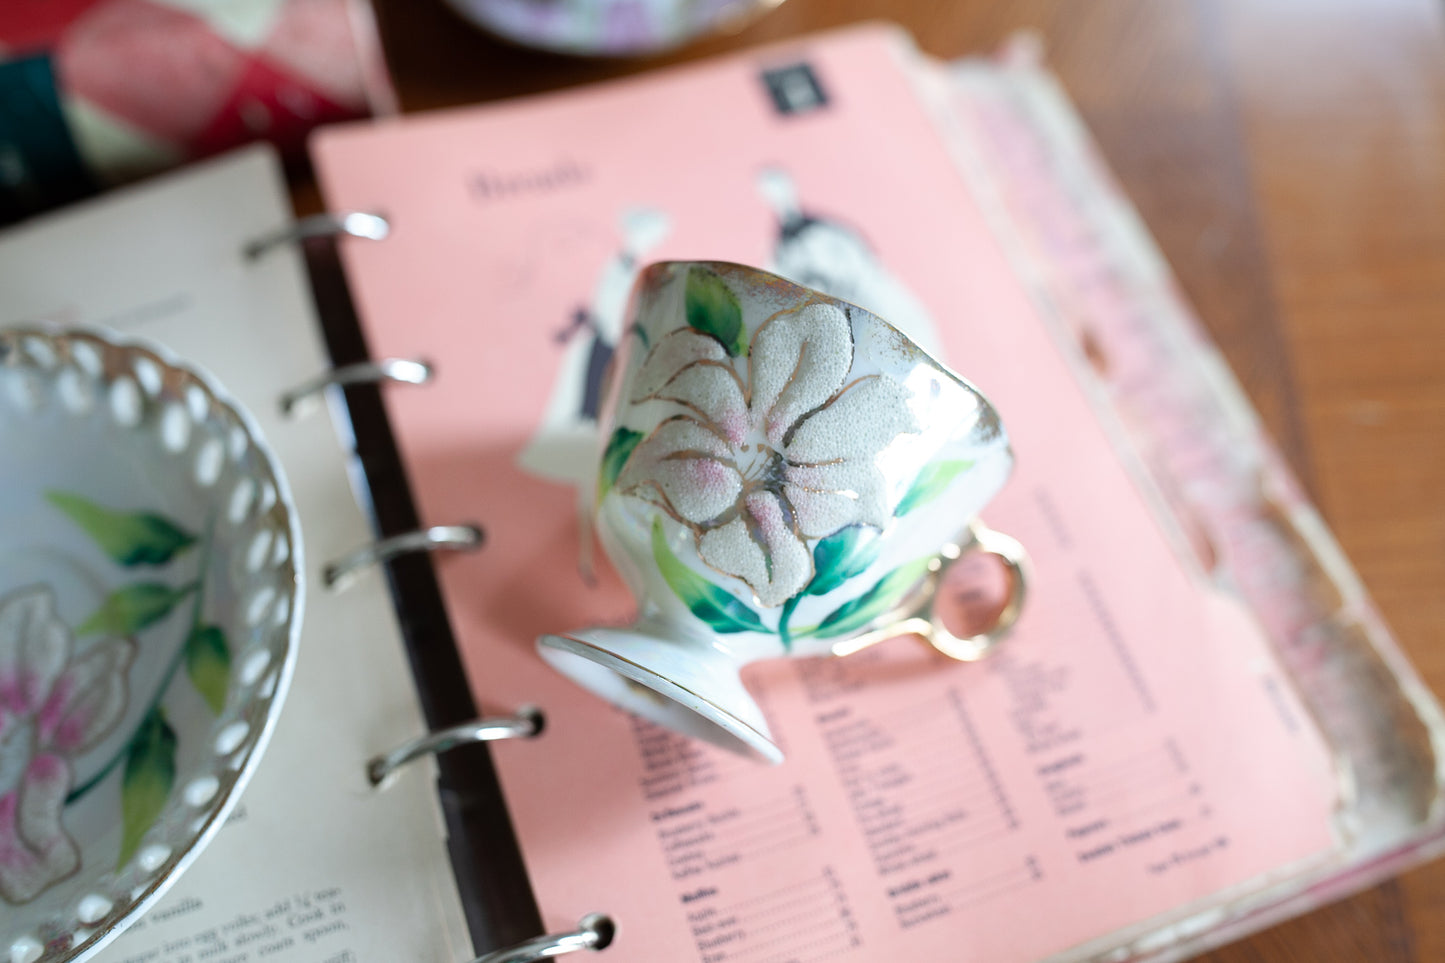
(924, 621)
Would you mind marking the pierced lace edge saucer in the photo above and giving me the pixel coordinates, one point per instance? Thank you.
(261, 672)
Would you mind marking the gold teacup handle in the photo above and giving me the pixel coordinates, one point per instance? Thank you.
(924, 621)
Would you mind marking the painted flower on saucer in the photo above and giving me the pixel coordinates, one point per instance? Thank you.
(54, 705)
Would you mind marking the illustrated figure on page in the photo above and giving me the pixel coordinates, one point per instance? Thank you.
(564, 447)
(827, 255)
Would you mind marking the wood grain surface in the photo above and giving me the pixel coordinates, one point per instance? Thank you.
(1289, 156)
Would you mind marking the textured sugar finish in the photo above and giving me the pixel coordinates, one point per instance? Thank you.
(757, 461)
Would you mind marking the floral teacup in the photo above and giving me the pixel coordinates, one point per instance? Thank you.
(784, 473)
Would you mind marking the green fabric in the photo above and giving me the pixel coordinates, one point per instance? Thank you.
(40, 166)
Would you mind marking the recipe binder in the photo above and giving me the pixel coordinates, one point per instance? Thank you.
(1380, 726)
(468, 290)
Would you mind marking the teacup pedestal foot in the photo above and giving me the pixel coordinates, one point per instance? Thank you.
(689, 686)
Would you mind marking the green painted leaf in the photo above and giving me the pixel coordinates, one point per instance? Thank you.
(150, 771)
(619, 449)
(131, 538)
(704, 599)
(885, 595)
(641, 333)
(843, 555)
(713, 309)
(129, 610)
(930, 483)
(785, 634)
(208, 663)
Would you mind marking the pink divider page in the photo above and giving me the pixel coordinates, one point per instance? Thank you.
(1131, 751)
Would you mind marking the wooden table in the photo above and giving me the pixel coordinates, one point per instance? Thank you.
(1289, 156)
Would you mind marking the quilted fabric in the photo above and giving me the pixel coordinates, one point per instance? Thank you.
(133, 86)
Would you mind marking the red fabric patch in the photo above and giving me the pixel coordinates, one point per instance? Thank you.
(34, 25)
(268, 103)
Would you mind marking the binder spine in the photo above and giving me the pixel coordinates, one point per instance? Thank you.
(594, 932)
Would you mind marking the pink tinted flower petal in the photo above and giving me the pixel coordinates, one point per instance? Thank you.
(821, 513)
(685, 467)
(17, 745)
(797, 361)
(761, 549)
(730, 549)
(34, 646)
(712, 389)
(790, 564)
(17, 691)
(42, 800)
(35, 850)
(675, 351)
(88, 699)
(858, 480)
(19, 880)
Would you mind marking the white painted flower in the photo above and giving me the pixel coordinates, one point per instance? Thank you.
(758, 470)
(54, 705)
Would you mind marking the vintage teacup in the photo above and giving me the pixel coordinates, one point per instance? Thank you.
(783, 473)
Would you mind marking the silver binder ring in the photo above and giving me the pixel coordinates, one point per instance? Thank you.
(595, 931)
(389, 369)
(372, 227)
(398, 370)
(527, 722)
(439, 538)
